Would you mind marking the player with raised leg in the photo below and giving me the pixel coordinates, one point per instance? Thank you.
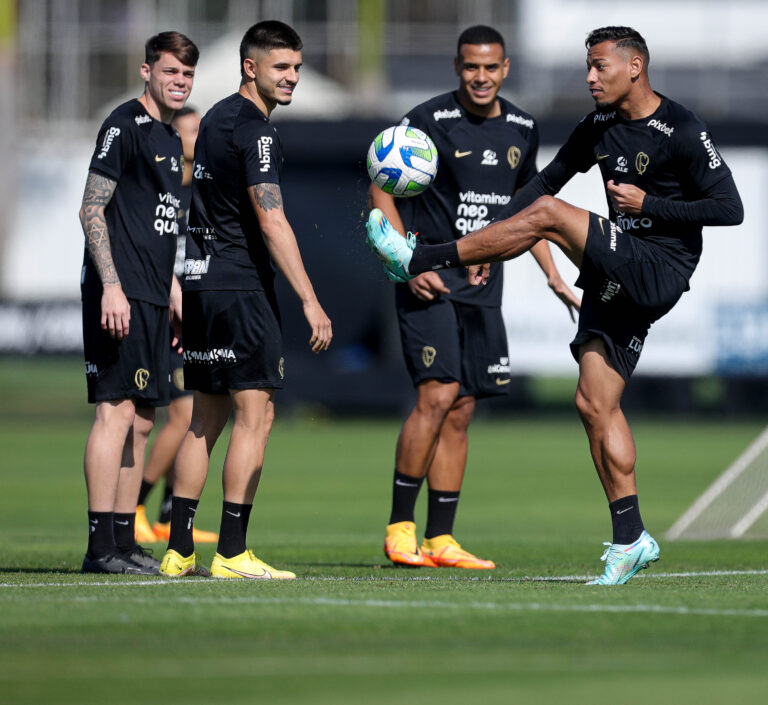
(664, 179)
(232, 338)
(128, 215)
(453, 336)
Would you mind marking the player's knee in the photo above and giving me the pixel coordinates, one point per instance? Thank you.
(437, 402)
(461, 413)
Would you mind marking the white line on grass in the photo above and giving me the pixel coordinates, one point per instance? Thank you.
(154, 582)
(682, 610)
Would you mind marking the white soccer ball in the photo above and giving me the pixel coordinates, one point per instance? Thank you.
(402, 161)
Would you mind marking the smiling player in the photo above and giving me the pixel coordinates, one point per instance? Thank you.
(128, 215)
(453, 336)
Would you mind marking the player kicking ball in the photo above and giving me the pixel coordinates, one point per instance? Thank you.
(664, 180)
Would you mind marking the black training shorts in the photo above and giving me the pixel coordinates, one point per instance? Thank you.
(628, 285)
(453, 342)
(232, 340)
(135, 367)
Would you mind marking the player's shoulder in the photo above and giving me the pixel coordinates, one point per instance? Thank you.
(675, 120)
(130, 116)
(511, 113)
(440, 109)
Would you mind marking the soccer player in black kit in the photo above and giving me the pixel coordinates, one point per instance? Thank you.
(453, 335)
(128, 215)
(664, 180)
(233, 359)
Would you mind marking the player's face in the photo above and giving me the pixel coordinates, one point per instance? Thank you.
(188, 126)
(481, 69)
(276, 74)
(169, 82)
(609, 74)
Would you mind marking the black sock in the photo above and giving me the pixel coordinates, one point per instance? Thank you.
(146, 488)
(234, 527)
(125, 537)
(427, 258)
(182, 520)
(405, 490)
(165, 506)
(627, 523)
(441, 513)
(101, 537)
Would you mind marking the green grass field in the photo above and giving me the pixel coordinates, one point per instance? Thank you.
(353, 628)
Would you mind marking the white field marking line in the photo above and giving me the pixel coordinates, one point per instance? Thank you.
(383, 579)
(443, 605)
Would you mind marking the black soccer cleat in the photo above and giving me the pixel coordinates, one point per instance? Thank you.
(143, 557)
(115, 564)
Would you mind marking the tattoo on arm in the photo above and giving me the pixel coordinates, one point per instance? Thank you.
(266, 196)
(98, 192)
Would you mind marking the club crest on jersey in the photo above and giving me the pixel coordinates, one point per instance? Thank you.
(428, 355)
(513, 156)
(642, 160)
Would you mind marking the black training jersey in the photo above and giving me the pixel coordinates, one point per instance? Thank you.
(144, 157)
(483, 161)
(669, 155)
(237, 147)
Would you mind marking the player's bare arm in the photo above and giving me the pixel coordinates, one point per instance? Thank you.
(543, 256)
(267, 202)
(115, 309)
(427, 286)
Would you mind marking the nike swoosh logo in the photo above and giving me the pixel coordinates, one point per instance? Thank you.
(158, 158)
(459, 154)
(601, 224)
(406, 484)
(94, 521)
(621, 511)
(447, 499)
(122, 523)
(232, 514)
(600, 157)
(264, 576)
(501, 382)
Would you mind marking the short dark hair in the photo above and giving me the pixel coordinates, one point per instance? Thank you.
(182, 47)
(479, 34)
(183, 112)
(623, 36)
(267, 35)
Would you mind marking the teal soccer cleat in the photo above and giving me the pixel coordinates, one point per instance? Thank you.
(390, 246)
(623, 561)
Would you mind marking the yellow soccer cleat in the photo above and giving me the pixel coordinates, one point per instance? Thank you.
(142, 530)
(401, 547)
(246, 565)
(163, 531)
(445, 552)
(174, 565)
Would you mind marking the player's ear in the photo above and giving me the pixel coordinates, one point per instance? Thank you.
(144, 72)
(249, 67)
(505, 67)
(636, 67)
(457, 61)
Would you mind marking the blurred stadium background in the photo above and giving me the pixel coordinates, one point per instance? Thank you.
(65, 63)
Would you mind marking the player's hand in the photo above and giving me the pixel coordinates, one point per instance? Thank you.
(115, 311)
(174, 312)
(428, 286)
(320, 324)
(564, 293)
(477, 274)
(625, 198)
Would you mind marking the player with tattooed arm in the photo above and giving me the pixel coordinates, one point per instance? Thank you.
(233, 359)
(129, 217)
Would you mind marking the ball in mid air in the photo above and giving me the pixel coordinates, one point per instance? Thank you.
(402, 161)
